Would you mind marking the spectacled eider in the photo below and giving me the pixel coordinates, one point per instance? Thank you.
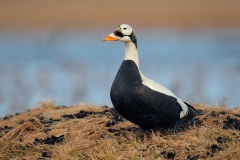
(139, 99)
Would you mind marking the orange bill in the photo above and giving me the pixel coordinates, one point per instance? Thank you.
(109, 38)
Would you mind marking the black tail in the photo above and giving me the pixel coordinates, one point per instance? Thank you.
(192, 112)
(190, 118)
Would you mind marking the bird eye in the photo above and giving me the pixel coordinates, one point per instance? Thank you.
(124, 28)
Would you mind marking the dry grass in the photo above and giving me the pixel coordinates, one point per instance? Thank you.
(44, 132)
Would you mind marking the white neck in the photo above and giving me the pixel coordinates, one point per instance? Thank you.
(131, 52)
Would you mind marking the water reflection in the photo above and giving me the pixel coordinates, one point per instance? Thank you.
(77, 67)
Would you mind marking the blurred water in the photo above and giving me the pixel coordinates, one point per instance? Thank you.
(74, 67)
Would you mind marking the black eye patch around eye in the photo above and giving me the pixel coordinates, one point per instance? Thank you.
(118, 33)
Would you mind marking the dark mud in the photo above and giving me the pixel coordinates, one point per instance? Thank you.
(215, 148)
(221, 139)
(4, 130)
(81, 114)
(112, 114)
(53, 140)
(231, 123)
(168, 155)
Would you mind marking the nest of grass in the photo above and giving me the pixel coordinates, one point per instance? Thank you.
(91, 132)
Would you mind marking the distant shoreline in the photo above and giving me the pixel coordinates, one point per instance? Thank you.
(92, 14)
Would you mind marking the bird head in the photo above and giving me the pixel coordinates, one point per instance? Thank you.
(123, 33)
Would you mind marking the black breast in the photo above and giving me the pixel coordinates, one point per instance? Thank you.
(140, 104)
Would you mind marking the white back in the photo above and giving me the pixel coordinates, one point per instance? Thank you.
(158, 87)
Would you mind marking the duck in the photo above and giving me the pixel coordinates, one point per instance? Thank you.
(139, 99)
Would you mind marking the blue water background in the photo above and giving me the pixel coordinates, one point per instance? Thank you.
(72, 67)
